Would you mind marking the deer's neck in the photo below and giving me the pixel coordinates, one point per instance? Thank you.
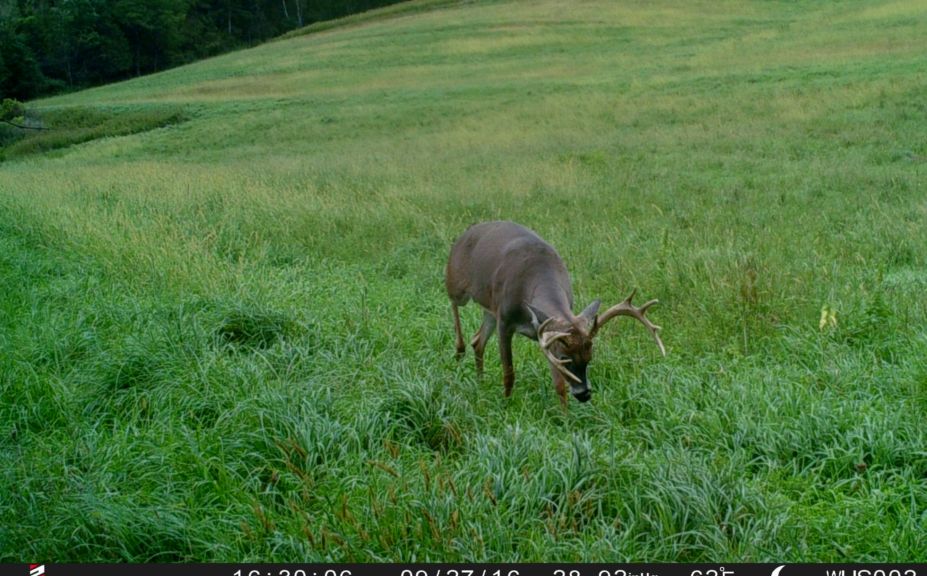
(552, 296)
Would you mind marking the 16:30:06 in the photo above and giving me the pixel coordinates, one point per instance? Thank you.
(300, 572)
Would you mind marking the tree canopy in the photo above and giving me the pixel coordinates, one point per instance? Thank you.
(48, 46)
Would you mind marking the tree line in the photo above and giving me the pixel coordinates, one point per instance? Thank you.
(48, 46)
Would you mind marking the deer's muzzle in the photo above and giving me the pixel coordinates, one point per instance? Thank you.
(583, 395)
(580, 387)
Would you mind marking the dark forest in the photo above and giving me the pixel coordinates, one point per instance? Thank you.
(49, 46)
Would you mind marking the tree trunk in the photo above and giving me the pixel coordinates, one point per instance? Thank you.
(286, 14)
(138, 55)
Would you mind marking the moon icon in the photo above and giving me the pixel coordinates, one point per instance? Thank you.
(777, 570)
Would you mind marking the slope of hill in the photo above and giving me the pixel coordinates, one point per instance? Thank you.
(227, 338)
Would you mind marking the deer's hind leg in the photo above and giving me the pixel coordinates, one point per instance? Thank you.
(459, 345)
(481, 337)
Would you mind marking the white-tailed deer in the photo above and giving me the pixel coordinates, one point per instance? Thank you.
(523, 286)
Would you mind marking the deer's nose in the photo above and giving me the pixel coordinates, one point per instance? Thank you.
(584, 396)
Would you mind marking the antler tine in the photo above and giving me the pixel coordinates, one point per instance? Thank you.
(543, 326)
(625, 308)
(545, 340)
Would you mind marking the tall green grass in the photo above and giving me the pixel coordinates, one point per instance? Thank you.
(227, 338)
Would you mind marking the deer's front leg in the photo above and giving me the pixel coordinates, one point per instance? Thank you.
(559, 383)
(505, 351)
(481, 337)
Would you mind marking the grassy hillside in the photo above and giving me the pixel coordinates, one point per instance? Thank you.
(228, 339)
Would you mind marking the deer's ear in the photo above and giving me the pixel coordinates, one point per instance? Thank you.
(589, 314)
(537, 317)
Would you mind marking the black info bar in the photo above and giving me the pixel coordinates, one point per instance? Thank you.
(475, 569)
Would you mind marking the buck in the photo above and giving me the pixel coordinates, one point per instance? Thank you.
(524, 287)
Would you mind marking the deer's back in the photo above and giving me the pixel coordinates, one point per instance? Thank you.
(499, 261)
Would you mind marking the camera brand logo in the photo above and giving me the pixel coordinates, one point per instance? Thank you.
(36, 569)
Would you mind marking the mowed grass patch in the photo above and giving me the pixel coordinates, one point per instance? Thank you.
(60, 128)
(229, 340)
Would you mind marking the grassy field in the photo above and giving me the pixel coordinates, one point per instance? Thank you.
(228, 339)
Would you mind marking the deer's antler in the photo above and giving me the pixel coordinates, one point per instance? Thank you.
(545, 339)
(625, 308)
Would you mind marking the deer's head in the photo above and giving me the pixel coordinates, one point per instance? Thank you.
(567, 342)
